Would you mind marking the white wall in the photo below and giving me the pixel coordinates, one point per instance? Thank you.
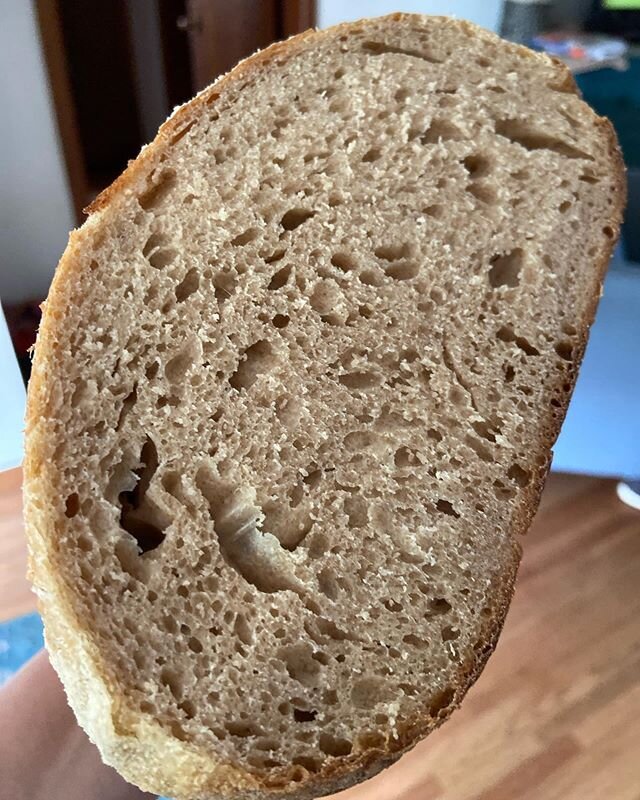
(36, 212)
(482, 12)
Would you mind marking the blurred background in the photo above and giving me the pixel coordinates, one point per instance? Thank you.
(84, 85)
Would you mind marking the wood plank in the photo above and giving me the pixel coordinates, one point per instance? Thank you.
(16, 597)
(556, 713)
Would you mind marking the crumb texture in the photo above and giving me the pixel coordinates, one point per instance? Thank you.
(302, 387)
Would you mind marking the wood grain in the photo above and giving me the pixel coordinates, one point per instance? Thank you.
(556, 713)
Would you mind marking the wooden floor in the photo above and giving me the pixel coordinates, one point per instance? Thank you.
(556, 713)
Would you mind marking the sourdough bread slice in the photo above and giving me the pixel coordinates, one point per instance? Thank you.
(293, 400)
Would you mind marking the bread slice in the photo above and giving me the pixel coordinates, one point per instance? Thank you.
(294, 396)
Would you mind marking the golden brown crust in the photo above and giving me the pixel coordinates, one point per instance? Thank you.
(144, 752)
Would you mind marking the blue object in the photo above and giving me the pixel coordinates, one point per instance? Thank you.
(20, 639)
(601, 433)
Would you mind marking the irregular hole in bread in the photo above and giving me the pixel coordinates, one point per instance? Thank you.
(403, 270)
(334, 745)
(140, 518)
(256, 359)
(295, 217)
(505, 268)
(344, 261)
(177, 367)
(299, 663)
(281, 321)
(360, 381)
(507, 334)
(250, 235)
(188, 285)
(519, 475)
(280, 278)
(72, 505)
(439, 130)
(303, 715)
(370, 691)
(127, 405)
(157, 252)
(182, 132)
(446, 507)
(480, 449)
(485, 192)
(564, 349)
(477, 165)
(440, 702)
(526, 135)
(159, 189)
(255, 554)
(382, 48)
(373, 154)
(370, 277)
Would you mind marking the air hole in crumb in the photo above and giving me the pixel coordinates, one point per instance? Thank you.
(406, 457)
(370, 277)
(483, 192)
(506, 334)
(295, 217)
(449, 633)
(439, 606)
(302, 715)
(523, 133)
(343, 261)
(368, 692)
(445, 507)
(481, 450)
(156, 251)
(172, 681)
(509, 373)
(188, 285)
(255, 360)
(415, 641)
(436, 210)
(476, 165)
(381, 48)
(440, 130)
(564, 349)
(441, 701)
(356, 509)
(250, 235)
(277, 255)
(243, 729)
(434, 434)
(334, 746)
(564, 206)
(403, 270)
(372, 155)
(280, 321)
(505, 269)
(299, 663)
(177, 367)
(182, 132)
(280, 278)
(72, 505)
(156, 194)
(519, 475)
(143, 521)
(608, 232)
(360, 381)
(195, 645)
(327, 583)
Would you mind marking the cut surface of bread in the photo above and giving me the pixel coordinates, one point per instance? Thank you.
(294, 396)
